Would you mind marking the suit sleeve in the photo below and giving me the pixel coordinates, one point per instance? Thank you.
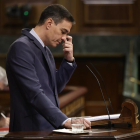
(21, 62)
(63, 74)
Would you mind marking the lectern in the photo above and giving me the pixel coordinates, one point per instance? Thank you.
(128, 115)
(121, 129)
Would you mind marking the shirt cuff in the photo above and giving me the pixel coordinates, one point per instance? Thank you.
(65, 121)
(70, 64)
(70, 61)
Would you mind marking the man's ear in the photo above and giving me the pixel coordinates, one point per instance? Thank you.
(48, 23)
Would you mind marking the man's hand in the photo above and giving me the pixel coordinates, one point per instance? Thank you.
(68, 48)
(4, 122)
(67, 124)
(87, 124)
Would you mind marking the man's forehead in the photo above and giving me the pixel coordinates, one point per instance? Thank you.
(66, 25)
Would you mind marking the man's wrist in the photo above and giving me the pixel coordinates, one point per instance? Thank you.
(67, 123)
(70, 61)
(64, 122)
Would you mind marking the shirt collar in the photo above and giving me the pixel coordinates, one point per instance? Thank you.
(37, 37)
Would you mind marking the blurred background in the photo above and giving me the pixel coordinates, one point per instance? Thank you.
(106, 34)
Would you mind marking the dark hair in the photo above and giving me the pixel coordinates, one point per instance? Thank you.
(57, 13)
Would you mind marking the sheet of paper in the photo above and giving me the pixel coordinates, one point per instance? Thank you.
(103, 117)
(3, 133)
(101, 131)
(70, 131)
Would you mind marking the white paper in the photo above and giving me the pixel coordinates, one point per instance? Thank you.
(70, 131)
(3, 133)
(103, 117)
(102, 131)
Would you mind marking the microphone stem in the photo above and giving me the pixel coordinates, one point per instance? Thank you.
(104, 87)
(109, 123)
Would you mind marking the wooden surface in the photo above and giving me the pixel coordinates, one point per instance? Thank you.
(116, 133)
(106, 19)
(99, 14)
(128, 115)
(71, 101)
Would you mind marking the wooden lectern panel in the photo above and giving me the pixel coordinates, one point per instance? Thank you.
(119, 130)
(129, 115)
(124, 133)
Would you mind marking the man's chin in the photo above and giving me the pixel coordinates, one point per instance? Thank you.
(53, 45)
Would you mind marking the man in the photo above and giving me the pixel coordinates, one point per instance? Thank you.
(33, 79)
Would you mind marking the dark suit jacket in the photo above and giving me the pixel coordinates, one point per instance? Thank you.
(34, 85)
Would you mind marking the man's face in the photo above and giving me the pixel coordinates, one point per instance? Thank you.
(57, 32)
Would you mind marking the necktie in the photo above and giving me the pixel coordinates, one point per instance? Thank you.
(50, 56)
(53, 71)
(51, 62)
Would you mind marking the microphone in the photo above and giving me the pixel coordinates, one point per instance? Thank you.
(104, 87)
(109, 120)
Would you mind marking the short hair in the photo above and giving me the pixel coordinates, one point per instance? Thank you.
(57, 13)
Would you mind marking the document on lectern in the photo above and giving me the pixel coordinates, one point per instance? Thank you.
(103, 117)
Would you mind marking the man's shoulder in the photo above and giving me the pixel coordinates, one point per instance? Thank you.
(23, 43)
(21, 48)
(21, 40)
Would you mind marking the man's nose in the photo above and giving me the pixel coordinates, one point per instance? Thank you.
(64, 37)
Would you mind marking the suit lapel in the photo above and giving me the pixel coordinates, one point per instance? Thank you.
(37, 43)
(50, 65)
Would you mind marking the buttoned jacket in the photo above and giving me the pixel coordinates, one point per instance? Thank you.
(34, 85)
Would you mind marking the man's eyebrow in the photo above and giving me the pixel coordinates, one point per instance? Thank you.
(65, 30)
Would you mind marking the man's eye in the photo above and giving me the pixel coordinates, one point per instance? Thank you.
(63, 32)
